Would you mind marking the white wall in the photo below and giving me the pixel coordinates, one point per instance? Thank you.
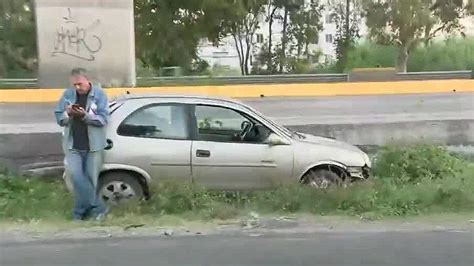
(95, 34)
(225, 54)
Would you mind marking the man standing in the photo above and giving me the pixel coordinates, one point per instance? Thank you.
(83, 112)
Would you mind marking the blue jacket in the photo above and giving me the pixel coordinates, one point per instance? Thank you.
(97, 109)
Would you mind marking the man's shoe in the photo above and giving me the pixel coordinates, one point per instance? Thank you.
(101, 217)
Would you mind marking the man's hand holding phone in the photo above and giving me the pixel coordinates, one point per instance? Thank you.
(75, 110)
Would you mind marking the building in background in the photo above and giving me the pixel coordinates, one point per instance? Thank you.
(226, 55)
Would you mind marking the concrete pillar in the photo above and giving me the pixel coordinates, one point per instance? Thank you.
(95, 34)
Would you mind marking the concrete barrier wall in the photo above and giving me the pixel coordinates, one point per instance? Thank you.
(249, 91)
(17, 150)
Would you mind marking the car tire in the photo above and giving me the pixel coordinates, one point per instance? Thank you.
(119, 187)
(321, 179)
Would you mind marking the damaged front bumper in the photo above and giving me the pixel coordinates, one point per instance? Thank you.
(363, 172)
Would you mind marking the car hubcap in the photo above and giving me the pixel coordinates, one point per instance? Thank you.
(319, 183)
(117, 192)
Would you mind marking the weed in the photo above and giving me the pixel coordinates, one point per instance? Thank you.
(28, 199)
(410, 181)
(413, 163)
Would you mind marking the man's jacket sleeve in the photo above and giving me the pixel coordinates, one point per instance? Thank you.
(60, 111)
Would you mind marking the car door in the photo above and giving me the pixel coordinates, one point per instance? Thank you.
(156, 138)
(221, 160)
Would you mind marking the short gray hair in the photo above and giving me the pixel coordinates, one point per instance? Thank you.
(79, 71)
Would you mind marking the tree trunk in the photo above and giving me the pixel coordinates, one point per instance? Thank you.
(284, 40)
(348, 21)
(239, 54)
(3, 68)
(402, 59)
(248, 41)
(306, 48)
(242, 52)
(299, 48)
(270, 32)
(346, 40)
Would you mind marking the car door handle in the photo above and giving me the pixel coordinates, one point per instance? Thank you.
(203, 153)
(110, 144)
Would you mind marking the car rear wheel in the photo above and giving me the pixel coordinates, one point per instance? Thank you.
(321, 179)
(119, 187)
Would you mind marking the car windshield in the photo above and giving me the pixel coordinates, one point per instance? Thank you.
(288, 132)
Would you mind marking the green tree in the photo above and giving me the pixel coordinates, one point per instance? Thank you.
(273, 7)
(407, 23)
(18, 54)
(347, 15)
(304, 28)
(301, 24)
(451, 54)
(287, 6)
(242, 25)
(446, 55)
(168, 32)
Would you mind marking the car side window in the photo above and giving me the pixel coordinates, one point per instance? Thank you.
(221, 124)
(157, 121)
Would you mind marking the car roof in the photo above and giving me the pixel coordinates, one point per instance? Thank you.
(152, 96)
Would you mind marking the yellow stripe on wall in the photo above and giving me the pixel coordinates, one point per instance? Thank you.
(268, 90)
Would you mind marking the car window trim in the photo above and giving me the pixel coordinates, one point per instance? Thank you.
(282, 129)
(186, 107)
(195, 129)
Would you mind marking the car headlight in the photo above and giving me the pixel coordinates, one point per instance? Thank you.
(355, 171)
(367, 160)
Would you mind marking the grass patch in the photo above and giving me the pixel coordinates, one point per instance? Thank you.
(411, 164)
(410, 181)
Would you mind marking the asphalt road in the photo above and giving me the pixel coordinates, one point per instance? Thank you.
(31, 118)
(395, 248)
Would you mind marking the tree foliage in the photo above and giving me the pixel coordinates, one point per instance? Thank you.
(301, 24)
(242, 25)
(168, 31)
(17, 38)
(407, 23)
(347, 16)
(304, 28)
(448, 55)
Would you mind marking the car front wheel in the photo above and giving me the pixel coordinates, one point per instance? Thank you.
(119, 187)
(321, 179)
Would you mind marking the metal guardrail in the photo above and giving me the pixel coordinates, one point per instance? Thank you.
(436, 75)
(255, 79)
(18, 83)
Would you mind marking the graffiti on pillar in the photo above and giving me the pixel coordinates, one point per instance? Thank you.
(76, 40)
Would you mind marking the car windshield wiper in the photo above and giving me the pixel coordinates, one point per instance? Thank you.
(299, 135)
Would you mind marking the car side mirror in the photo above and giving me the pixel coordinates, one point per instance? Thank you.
(275, 140)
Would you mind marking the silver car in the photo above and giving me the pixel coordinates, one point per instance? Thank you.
(216, 143)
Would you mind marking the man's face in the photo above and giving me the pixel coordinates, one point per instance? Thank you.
(80, 83)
